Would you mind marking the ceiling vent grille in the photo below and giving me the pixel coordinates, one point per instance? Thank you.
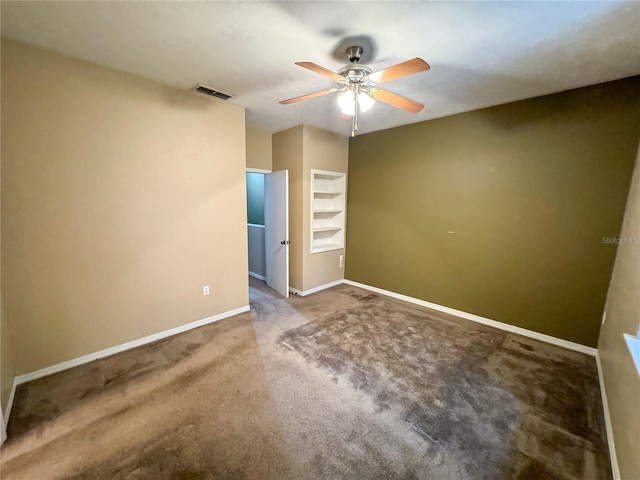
(211, 92)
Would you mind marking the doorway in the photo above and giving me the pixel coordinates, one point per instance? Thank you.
(268, 227)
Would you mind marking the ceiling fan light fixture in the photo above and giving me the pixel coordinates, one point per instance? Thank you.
(365, 102)
(347, 102)
(359, 85)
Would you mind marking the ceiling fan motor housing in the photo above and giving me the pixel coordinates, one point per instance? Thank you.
(354, 73)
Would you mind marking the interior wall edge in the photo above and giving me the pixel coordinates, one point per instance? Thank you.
(257, 275)
(559, 342)
(304, 293)
(107, 352)
(7, 410)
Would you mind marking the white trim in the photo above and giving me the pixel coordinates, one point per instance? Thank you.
(328, 173)
(485, 321)
(7, 411)
(315, 289)
(27, 377)
(615, 470)
(257, 170)
(339, 218)
(254, 225)
(259, 277)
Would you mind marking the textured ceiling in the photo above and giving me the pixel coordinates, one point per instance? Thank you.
(481, 53)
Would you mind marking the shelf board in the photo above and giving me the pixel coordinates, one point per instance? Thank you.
(326, 247)
(327, 229)
(329, 176)
(327, 211)
(329, 194)
(328, 198)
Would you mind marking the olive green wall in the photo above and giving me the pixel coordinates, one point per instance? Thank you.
(499, 212)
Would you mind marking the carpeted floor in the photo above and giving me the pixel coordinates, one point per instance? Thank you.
(339, 384)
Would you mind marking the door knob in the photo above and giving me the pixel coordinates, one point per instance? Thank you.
(285, 242)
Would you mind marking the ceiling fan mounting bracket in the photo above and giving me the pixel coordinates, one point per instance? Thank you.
(354, 53)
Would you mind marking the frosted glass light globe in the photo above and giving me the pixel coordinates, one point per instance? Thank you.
(347, 103)
(365, 102)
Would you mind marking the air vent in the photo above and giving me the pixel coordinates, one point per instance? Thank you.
(211, 92)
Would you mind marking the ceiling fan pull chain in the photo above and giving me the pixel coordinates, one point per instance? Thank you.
(355, 111)
(355, 115)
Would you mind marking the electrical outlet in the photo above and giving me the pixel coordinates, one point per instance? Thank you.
(205, 290)
(341, 261)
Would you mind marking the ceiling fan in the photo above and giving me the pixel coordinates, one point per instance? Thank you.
(359, 85)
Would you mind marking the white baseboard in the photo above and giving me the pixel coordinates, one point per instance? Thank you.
(485, 321)
(315, 289)
(125, 346)
(615, 470)
(7, 410)
(259, 277)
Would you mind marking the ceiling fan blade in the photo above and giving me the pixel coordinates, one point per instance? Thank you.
(321, 70)
(309, 96)
(400, 70)
(396, 100)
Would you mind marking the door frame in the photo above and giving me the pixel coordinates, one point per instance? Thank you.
(264, 171)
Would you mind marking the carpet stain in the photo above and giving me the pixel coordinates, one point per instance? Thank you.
(342, 384)
(467, 389)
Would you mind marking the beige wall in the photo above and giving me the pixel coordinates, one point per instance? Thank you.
(287, 155)
(121, 198)
(500, 212)
(299, 150)
(7, 372)
(322, 150)
(621, 380)
(259, 152)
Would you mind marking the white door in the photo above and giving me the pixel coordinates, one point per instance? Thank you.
(276, 230)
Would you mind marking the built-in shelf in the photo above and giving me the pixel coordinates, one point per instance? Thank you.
(328, 246)
(328, 194)
(327, 210)
(326, 229)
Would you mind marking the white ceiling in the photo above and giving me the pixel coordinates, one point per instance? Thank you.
(481, 53)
